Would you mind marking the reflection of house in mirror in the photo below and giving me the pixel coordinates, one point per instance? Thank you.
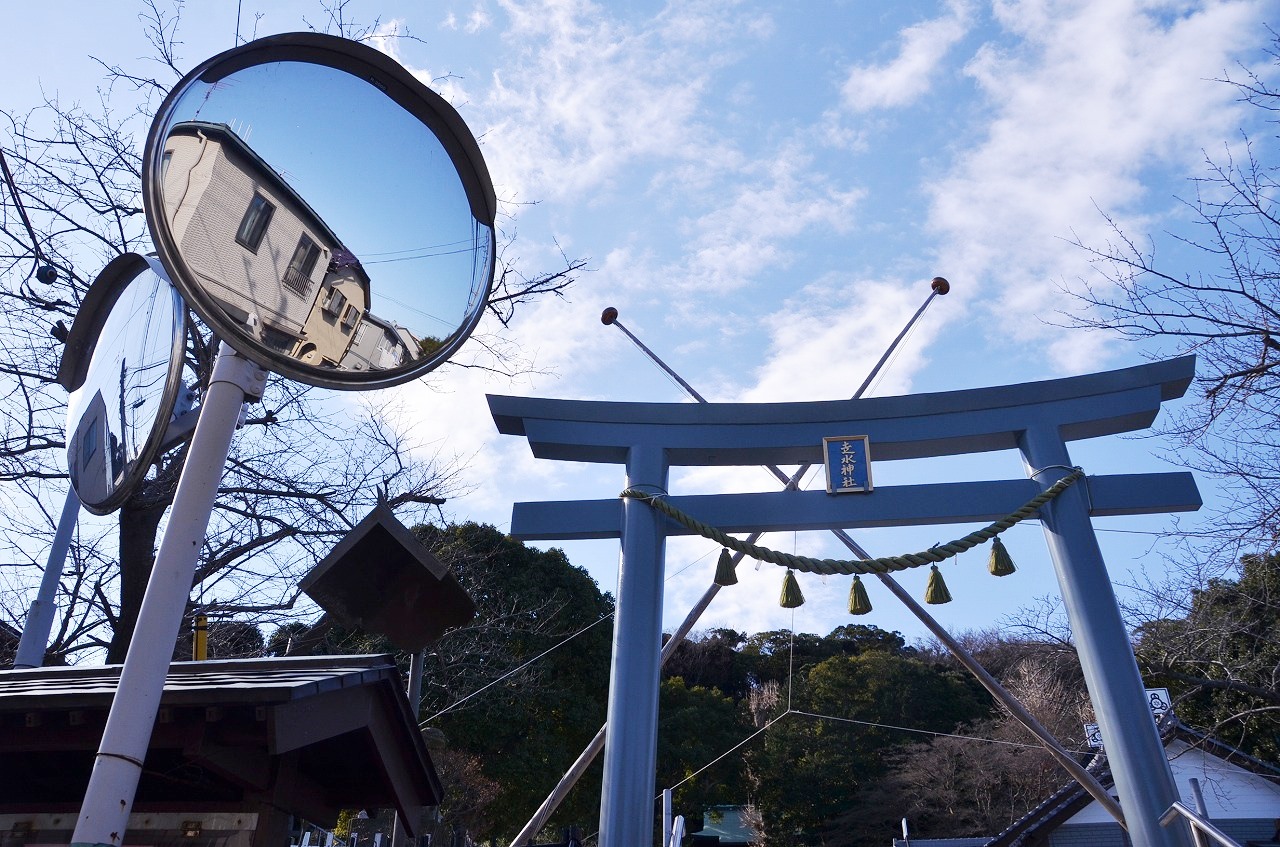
(93, 455)
(258, 247)
(380, 344)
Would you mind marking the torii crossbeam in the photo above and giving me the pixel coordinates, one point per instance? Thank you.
(1035, 418)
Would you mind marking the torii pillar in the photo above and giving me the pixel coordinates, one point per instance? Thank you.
(1037, 418)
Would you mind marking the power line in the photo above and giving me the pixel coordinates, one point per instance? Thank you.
(22, 210)
(513, 671)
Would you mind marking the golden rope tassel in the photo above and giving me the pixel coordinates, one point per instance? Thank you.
(859, 602)
(936, 592)
(726, 573)
(1000, 563)
(791, 596)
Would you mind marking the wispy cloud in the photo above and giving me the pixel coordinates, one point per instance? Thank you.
(824, 340)
(747, 231)
(1086, 103)
(908, 76)
(586, 93)
(478, 19)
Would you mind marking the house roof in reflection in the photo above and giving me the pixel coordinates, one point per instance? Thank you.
(343, 257)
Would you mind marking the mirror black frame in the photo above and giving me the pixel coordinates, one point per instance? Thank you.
(391, 79)
(82, 340)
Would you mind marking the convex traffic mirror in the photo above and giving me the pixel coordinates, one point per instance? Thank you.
(123, 367)
(323, 211)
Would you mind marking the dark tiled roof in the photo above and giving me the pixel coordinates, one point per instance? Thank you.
(342, 722)
(213, 682)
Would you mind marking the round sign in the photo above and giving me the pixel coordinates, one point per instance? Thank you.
(323, 211)
(123, 367)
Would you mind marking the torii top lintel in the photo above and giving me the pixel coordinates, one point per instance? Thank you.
(903, 427)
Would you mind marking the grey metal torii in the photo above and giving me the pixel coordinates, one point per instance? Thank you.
(939, 287)
(1035, 418)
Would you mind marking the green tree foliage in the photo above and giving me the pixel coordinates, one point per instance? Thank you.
(524, 732)
(712, 661)
(696, 726)
(840, 705)
(773, 655)
(980, 783)
(503, 723)
(1222, 660)
(853, 711)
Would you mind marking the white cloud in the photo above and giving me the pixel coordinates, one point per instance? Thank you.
(908, 76)
(824, 341)
(479, 19)
(746, 233)
(1089, 102)
(587, 93)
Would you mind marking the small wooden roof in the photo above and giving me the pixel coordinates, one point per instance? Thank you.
(308, 735)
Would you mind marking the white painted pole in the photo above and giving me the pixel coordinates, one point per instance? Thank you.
(118, 766)
(666, 817)
(35, 633)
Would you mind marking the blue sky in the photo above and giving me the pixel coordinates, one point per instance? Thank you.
(764, 194)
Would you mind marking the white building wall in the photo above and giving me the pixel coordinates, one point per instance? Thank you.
(1230, 792)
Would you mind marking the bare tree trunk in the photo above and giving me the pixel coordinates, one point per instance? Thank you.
(139, 522)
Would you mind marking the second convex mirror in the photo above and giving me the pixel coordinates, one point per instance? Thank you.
(123, 367)
(322, 210)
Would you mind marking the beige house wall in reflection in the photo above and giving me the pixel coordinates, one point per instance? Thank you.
(259, 248)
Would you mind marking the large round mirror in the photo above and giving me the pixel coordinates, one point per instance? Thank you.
(123, 367)
(322, 210)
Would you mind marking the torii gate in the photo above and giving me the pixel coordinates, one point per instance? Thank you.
(1036, 418)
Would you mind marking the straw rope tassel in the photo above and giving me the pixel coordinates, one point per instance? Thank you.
(936, 592)
(726, 573)
(999, 563)
(791, 596)
(859, 602)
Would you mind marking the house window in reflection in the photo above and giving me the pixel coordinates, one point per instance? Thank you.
(379, 344)
(89, 445)
(164, 165)
(333, 302)
(297, 277)
(254, 223)
(349, 318)
(101, 458)
(259, 248)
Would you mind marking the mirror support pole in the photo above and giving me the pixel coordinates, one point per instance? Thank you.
(104, 816)
(35, 633)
